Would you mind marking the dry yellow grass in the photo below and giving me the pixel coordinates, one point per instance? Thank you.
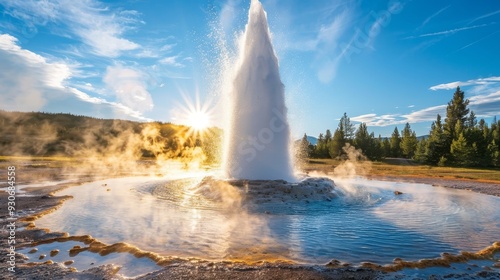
(407, 168)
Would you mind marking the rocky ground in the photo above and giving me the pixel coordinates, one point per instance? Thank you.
(38, 201)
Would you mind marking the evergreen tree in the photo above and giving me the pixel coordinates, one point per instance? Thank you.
(460, 151)
(337, 143)
(386, 148)
(366, 142)
(347, 128)
(420, 155)
(328, 136)
(408, 142)
(456, 112)
(303, 149)
(494, 153)
(435, 146)
(395, 143)
(471, 121)
(321, 150)
(362, 139)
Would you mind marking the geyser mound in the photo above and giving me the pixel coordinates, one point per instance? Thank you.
(258, 142)
(210, 192)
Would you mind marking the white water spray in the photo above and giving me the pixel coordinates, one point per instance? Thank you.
(258, 144)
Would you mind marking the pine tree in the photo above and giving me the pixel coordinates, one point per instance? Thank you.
(328, 136)
(420, 155)
(494, 153)
(303, 149)
(460, 151)
(395, 143)
(408, 142)
(456, 112)
(321, 150)
(337, 143)
(347, 128)
(471, 121)
(435, 146)
(362, 139)
(366, 142)
(386, 148)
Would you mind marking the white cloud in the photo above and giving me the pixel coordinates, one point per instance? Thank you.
(485, 105)
(27, 77)
(96, 25)
(454, 85)
(31, 82)
(172, 61)
(129, 87)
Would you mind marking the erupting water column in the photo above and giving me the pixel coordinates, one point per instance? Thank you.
(258, 144)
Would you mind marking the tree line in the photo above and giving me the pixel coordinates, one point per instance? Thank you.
(460, 140)
(57, 134)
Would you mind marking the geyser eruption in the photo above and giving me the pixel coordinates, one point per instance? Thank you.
(258, 144)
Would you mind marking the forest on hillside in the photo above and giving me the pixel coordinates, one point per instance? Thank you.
(48, 134)
(459, 140)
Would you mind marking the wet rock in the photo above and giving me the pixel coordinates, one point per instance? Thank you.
(32, 251)
(54, 252)
(42, 256)
(70, 262)
(334, 263)
(398, 193)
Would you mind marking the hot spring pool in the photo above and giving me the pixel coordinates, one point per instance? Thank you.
(366, 222)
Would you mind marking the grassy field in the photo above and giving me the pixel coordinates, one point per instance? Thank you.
(408, 168)
(387, 167)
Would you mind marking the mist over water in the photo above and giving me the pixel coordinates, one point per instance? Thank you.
(258, 144)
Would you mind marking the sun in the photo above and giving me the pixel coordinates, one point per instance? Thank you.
(197, 116)
(198, 120)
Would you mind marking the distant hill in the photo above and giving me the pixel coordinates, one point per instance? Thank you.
(47, 134)
(313, 140)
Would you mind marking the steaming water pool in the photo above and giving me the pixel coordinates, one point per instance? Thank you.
(366, 222)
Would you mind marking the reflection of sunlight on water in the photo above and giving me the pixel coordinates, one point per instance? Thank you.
(368, 222)
(130, 266)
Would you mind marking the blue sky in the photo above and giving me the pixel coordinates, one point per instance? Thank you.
(383, 62)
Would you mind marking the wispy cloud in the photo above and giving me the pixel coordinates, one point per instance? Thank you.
(93, 23)
(424, 115)
(171, 61)
(44, 85)
(128, 86)
(454, 85)
(326, 40)
(485, 103)
(477, 41)
(428, 19)
(485, 16)
(447, 32)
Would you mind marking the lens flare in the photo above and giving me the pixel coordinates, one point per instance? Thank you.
(198, 120)
(198, 116)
